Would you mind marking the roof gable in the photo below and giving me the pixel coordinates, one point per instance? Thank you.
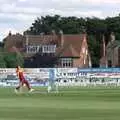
(74, 40)
(69, 52)
(71, 46)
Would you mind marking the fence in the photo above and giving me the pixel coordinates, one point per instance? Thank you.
(63, 76)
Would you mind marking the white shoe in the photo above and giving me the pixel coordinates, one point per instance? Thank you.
(16, 91)
(31, 90)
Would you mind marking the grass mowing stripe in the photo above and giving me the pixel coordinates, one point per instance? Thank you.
(69, 104)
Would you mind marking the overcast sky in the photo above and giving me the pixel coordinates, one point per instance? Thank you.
(18, 15)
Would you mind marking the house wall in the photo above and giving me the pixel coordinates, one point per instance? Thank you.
(77, 62)
(23, 41)
(83, 61)
(119, 57)
(115, 56)
(84, 54)
(13, 40)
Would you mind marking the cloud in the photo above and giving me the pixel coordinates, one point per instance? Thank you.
(74, 13)
(5, 30)
(18, 15)
(103, 1)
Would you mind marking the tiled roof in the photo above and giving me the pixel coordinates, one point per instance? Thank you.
(71, 43)
(68, 51)
(16, 40)
(72, 46)
(74, 40)
(40, 39)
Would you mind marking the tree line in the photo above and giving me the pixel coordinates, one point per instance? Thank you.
(10, 60)
(94, 27)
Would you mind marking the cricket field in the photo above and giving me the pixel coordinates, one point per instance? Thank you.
(98, 103)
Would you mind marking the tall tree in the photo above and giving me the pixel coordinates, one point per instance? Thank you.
(2, 61)
(12, 60)
(95, 28)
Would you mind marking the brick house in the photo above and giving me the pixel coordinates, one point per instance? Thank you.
(65, 50)
(13, 40)
(111, 53)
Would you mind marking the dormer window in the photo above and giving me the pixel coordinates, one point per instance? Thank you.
(48, 48)
(33, 48)
(43, 49)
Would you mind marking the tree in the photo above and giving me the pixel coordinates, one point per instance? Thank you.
(69, 25)
(2, 61)
(1, 44)
(94, 48)
(12, 60)
(94, 27)
(113, 25)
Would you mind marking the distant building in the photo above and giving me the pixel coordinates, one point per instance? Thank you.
(111, 53)
(54, 50)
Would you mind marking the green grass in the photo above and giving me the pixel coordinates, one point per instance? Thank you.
(69, 104)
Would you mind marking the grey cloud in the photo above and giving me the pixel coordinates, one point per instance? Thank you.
(19, 14)
(40, 7)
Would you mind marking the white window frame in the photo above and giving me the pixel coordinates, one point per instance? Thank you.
(49, 48)
(33, 48)
(66, 62)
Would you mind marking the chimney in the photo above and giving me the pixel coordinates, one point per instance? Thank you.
(112, 37)
(10, 33)
(104, 47)
(103, 60)
(26, 42)
(84, 37)
(53, 32)
(53, 38)
(61, 37)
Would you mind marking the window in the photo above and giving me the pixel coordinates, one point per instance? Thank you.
(48, 48)
(39, 48)
(33, 49)
(66, 62)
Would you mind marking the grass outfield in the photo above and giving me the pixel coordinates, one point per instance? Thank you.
(70, 104)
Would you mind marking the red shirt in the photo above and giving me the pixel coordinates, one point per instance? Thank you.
(20, 74)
